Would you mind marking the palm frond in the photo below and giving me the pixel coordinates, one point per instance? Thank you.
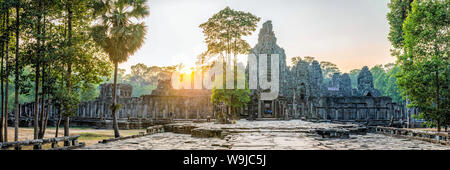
(117, 35)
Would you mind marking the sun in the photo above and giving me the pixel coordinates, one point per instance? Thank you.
(186, 70)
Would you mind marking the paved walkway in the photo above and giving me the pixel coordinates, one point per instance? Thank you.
(265, 135)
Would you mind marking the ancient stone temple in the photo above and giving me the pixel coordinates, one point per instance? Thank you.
(267, 44)
(365, 84)
(162, 106)
(166, 102)
(304, 95)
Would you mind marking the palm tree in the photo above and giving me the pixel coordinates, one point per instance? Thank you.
(118, 36)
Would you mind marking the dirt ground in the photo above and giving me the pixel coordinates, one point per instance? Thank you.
(88, 135)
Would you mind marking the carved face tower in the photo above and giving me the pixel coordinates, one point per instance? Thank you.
(365, 83)
(365, 79)
(267, 44)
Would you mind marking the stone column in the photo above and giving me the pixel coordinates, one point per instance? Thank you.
(166, 110)
(102, 110)
(324, 114)
(138, 109)
(155, 109)
(214, 110)
(386, 114)
(20, 110)
(317, 113)
(259, 109)
(377, 114)
(97, 109)
(358, 116)
(144, 113)
(79, 112)
(273, 108)
(294, 105)
(83, 110)
(336, 114)
(345, 115)
(367, 114)
(303, 110)
(109, 111)
(52, 111)
(94, 109)
(151, 109)
(198, 114)
(90, 109)
(86, 109)
(186, 112)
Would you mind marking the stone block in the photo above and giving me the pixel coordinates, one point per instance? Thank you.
(334, 133)
(206, 133)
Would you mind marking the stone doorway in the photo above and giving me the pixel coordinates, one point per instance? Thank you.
(268, 111)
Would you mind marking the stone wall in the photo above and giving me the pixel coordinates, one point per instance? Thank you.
(160, 107)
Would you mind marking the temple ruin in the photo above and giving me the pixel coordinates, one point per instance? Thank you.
(302, 95)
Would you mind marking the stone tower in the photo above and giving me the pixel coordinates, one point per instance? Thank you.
(345, 85)
(365, 84)
(267, 44)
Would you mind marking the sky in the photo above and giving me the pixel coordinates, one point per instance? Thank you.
(349, 33)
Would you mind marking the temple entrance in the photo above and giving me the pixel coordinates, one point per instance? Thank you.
(268, 110)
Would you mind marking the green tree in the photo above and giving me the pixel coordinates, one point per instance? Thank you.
(424, 75)
(379, 77)
(119, 36)
(223, 36)
(354, 77)
(328, 68)
(399, 10)
(391, 89)
(295, 60)
(308, 59)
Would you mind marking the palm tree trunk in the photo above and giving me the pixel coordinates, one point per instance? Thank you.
(69, 69)
(16, 89)
(114, 103)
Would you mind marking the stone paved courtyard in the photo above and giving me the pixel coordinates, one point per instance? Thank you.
(267, 135)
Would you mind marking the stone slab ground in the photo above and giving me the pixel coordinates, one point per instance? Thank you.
(268, 135)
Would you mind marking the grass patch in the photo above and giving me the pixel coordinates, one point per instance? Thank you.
(88, 136)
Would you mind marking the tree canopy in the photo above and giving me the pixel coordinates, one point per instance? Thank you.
(424, 66)
(224, 33)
